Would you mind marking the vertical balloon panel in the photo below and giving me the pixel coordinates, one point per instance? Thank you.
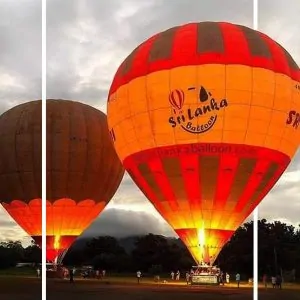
(21, 165)
(83, 171)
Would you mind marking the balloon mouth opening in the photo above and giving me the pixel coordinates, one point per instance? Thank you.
(56, 246)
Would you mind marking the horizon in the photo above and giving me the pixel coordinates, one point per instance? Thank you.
(84, 67)
(88, 236)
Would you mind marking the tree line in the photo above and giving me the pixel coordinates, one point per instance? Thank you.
(12, 253)
(279, 251)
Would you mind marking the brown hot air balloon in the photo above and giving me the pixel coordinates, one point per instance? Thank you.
(83, 170)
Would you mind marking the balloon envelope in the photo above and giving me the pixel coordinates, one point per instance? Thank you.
(83, 170)
(205, 119)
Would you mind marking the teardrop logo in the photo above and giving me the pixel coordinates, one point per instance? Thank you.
(176, 99)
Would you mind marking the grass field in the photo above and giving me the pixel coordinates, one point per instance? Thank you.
(116, 288)
(19, 272)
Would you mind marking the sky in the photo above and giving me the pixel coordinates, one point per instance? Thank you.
(20, 71)
(86, 42)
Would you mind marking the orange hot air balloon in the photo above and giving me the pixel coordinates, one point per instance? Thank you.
(83, 170)
(205, 119)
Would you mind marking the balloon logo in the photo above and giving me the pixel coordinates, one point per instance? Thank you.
(176, 99)
(207, 166)
(199, 119)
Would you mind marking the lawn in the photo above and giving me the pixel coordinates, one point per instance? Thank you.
(18, 272)
(23, 285)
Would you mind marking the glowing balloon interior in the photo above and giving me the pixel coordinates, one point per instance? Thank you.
(205, 119)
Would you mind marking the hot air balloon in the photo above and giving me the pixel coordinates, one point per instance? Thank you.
(83, 170)
(204, 117)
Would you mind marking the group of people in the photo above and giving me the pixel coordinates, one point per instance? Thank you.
(68, 272)
(276, 281)
(175, 276)
(222, 276)
(98, 274)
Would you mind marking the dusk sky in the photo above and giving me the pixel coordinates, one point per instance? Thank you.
(87, 41)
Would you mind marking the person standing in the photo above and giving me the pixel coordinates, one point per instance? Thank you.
(71, 274)
(138, 276)
(65, 273)
(273, 279)
(178, 275)
(221, 278)
(265, 280)
(172, 275)
(278, 281)
(227, 278)
(187, 277)
(238, 279)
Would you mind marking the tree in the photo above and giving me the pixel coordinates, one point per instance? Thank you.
(155, 250)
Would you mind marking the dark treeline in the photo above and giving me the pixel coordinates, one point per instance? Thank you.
(12, 253)
(279, 249)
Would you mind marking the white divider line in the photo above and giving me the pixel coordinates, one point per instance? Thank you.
(44, 95)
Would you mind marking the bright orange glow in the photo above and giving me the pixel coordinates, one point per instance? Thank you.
(76, 216)
(205, 120)
(65, 217)
(57, 242)
(201, 237)
(267, 128)
(24, 214)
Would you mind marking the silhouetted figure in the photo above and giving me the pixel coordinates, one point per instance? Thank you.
(138, 276)
(278, 281)
(172, 275)
(71, 274)
(223, 277)
(177, 275)
(238, 279)
(265, 280)
(187, 277)
(273, 282)
(227, 278)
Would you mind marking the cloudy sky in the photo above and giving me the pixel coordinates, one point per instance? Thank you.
(20, 70)
(87, 41)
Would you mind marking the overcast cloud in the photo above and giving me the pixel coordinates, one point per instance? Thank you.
(280, 20)
(87, 41)
(20, 70)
